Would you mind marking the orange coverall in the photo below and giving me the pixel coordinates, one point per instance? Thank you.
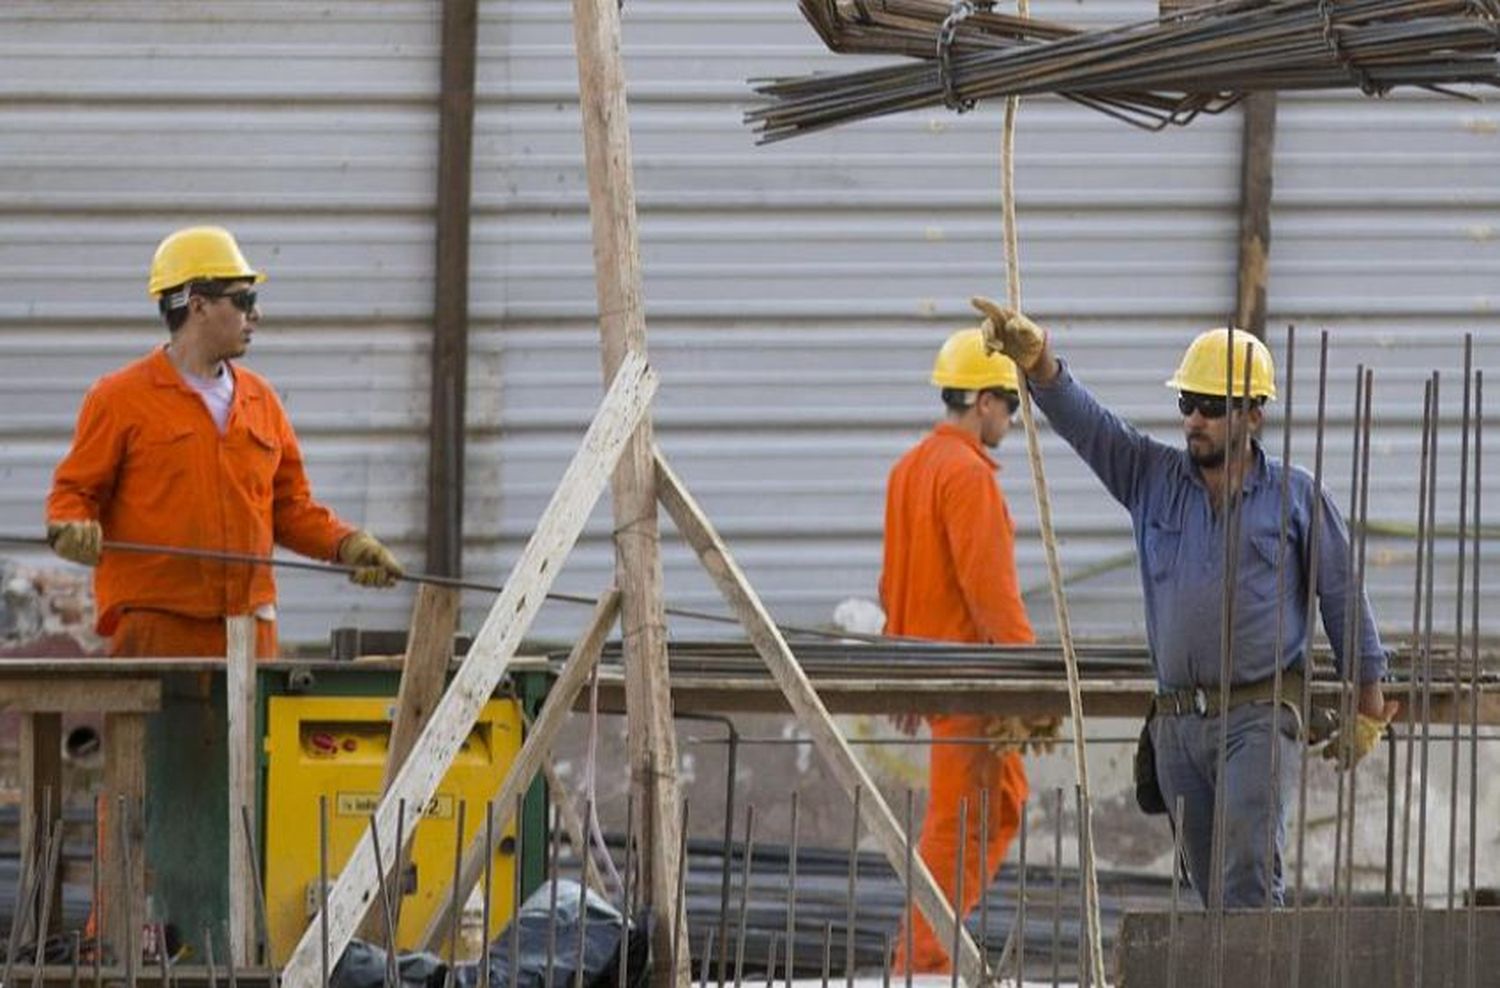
(150, 465)
(950, 574)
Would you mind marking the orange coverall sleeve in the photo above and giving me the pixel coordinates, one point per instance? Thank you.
(982, 540)
(299, 522)
(86, 475)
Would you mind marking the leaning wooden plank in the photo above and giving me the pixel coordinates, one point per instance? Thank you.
(625, 405)
(239, 702)
(813, 716)
(533, 754)
(429, 650)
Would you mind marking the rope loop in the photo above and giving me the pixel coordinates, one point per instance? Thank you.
(961, 11)
(1361, 78)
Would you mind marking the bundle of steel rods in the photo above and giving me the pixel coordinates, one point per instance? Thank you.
(1151, 73)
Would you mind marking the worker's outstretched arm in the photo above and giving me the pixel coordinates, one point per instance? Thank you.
(1117, 453)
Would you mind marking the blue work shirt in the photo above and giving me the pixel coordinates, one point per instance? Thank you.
(1179, 543)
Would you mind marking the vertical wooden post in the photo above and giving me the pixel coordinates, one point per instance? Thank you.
(1256, 159)
(450, 331)
(622, 328)
(239, 697)
(41, 790)
(124, 777)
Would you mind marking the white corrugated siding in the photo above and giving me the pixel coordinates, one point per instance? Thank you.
(794, 293)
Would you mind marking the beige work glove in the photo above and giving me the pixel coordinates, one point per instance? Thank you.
(76, 541)
(1347, 748)
(376, 566)
(1008, 331)
(1021, 733)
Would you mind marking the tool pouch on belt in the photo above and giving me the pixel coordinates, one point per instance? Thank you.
(1148, 795)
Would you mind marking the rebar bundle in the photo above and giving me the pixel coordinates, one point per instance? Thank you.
(1153, 73)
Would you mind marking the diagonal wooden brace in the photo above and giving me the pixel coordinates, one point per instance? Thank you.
(622, 411)
(574, 675)
(814, 717)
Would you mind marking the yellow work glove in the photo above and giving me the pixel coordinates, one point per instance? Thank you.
(376, 566)
(1008, 331)
(1022, 734)
(76, 541)
(1347, 748)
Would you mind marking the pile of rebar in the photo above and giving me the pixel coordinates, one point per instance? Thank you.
(1151, 73)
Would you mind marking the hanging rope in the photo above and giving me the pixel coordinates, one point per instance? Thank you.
(1049, 542)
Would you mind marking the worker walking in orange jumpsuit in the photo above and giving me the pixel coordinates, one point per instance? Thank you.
(949, 574)
(185, 448)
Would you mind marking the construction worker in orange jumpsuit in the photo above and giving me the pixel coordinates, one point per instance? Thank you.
(185, 448)
(949, 574)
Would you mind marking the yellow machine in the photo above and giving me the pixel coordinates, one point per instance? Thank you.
(335, 746)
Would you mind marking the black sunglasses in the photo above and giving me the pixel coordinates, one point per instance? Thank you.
(1209, 406)
(244, 299)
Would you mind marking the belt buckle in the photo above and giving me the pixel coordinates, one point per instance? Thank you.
(1200, 701)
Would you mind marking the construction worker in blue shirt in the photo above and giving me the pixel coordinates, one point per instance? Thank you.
(1174, 496)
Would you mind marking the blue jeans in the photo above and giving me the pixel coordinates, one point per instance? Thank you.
(1187, 761)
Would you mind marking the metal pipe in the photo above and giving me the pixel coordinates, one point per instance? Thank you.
(958, 889)
(791, 891)
(729, 787)
(1430, 576)
(385, 903)
(1456, 695)
(1470, 942)
(323, 944)
(1021, 896)
(488, 884)
(739, 943)
(583, 894)
(1057, 894)
(850, 909)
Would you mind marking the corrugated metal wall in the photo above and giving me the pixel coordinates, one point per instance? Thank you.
(794, 293)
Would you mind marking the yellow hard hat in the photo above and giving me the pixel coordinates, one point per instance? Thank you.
(963, 363)
(198, 253)
(1203, 366)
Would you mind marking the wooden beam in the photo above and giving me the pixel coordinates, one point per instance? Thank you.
(124, 893)
(450, 329)
(622, 329)
(41, 791)
(623, 409)
(239, 702)
(533, 755)
(61, 693)
(813, 717)
(1256, 159)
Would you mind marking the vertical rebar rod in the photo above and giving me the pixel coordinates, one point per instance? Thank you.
(771, 962)
(51, 851)
(457, 901)
(1284, 494)
(1354, 656)
(745, 877)
(263, 924)
(400, 886)
(1346, 703)
(724, 867)
(1471, 958)
(583, 891)
(705, 969)
(851, 909)
(518, 887)
(488, 883)
(1456, 695)
(1315, 534)
(554, 851)
(229, 968)
(96, 880)
(77, 948)
(885, 965)
(958, 888)
(1057, 889)
(1415, 651)
(131, 926)
(679, 910)
(791, 891)
(1228, 515)
(827, 950)
(1176, 905)
(323, 945)
(385, 902)
(208, 956)
(1392, 756)
(1430, 577)
(984, 883)
(162, 962)
(908, 913)
(1085, 948)
(1021, 895)
(627, 891)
